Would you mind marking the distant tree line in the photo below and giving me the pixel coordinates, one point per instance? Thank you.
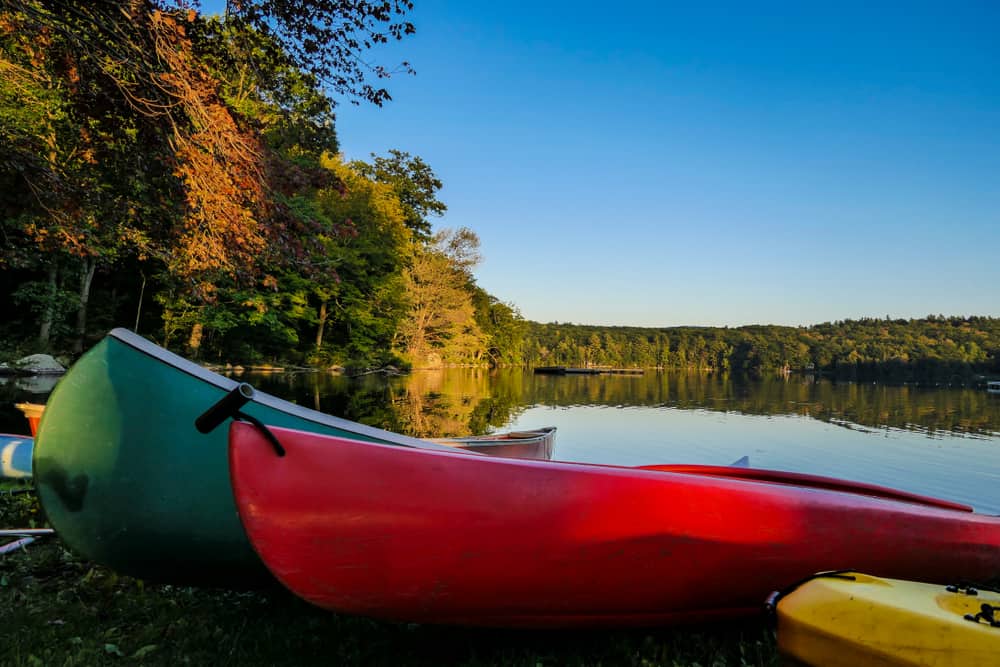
(892, 349)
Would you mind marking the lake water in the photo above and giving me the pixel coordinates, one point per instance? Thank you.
(934, 440)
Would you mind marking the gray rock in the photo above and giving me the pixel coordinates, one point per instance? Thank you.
(38, 364)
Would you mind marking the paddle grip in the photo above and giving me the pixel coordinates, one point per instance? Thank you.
(225, 408)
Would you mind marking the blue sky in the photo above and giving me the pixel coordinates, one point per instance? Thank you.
(661, 164)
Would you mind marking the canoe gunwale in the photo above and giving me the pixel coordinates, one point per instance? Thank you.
(810, 481)
(179, 363)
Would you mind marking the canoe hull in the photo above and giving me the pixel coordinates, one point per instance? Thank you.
(437, 537)
(857, 620)
(127, 481)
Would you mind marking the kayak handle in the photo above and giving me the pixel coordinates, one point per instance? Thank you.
(985, 614)
(228, 406)
(771, 604)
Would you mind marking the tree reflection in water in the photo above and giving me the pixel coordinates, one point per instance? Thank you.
(455, 402)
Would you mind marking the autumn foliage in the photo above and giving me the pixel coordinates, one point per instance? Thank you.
(182, 170)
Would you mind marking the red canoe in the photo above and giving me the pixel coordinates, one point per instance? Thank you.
(440, 537)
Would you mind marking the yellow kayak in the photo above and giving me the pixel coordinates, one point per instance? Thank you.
(854, 620)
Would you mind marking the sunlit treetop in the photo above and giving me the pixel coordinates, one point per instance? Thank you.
(328, 38)
(415, 184)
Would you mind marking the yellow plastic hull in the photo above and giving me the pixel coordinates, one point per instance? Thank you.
(855, 620)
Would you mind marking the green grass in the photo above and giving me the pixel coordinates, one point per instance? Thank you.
(56, 609)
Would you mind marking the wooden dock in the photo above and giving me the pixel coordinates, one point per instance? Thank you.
(593, 370)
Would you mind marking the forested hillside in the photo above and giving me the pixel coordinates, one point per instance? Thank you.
(934, 347)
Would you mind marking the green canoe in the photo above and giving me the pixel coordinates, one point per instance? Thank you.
(126, 480)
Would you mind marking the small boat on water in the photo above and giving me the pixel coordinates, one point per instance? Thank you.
(533, 444)
(993, 386)
(590, 370)
(849, 619)
(431, 536)
(127, 481)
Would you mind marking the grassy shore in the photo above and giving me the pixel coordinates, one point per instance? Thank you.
(56, 609)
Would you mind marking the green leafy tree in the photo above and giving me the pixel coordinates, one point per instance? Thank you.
(360, 290)
(503, 329)
(441, 326)
(145, 132)
(74, 162)
(414, 183)
(327, 38)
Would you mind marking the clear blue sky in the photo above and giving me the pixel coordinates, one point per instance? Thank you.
(659, 164)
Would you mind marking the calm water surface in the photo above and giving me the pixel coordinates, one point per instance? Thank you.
(939, 441)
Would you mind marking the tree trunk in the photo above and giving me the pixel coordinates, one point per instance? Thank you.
(138, 309)
(194, 342)
(86, 277)
(49, 314)
(322, 325)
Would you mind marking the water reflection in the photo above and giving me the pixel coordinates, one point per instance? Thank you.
(462, 401)
(29, 384)
(447, 403)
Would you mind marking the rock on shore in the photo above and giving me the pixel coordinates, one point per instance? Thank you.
(33, 364)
